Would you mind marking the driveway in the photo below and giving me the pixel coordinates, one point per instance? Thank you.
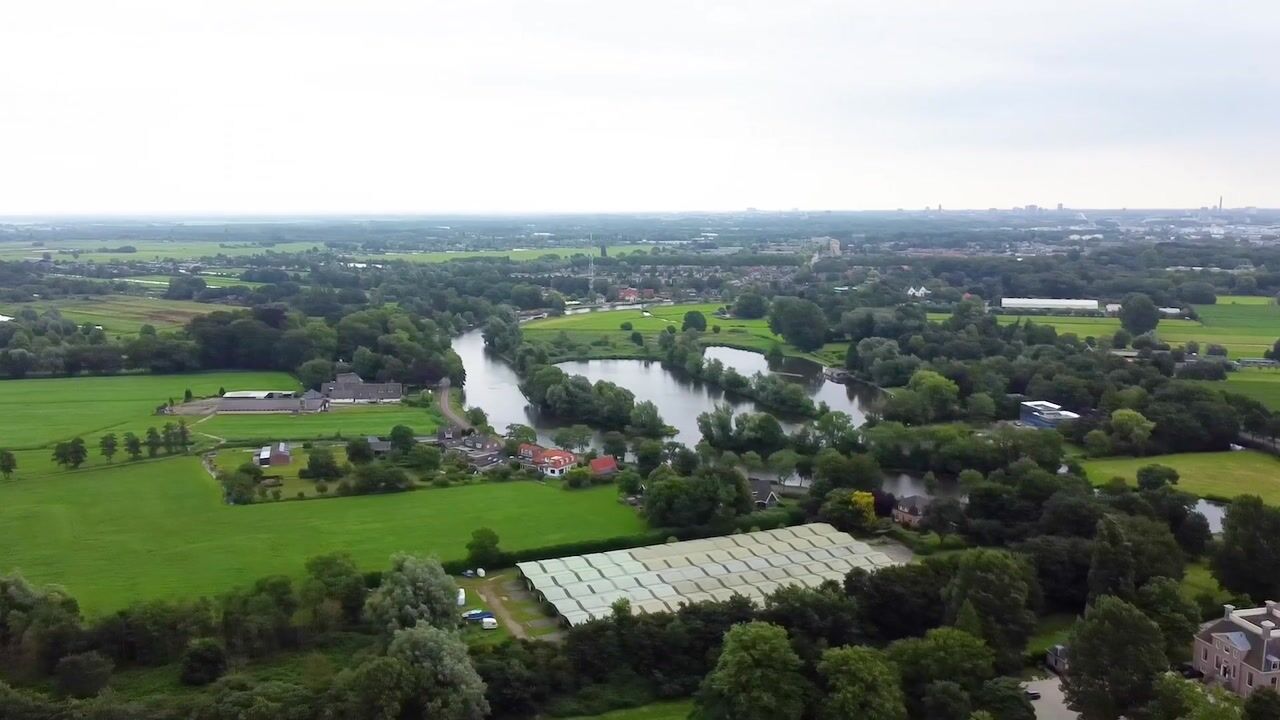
(1051, 705)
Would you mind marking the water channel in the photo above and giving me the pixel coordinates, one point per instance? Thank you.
(493, 386)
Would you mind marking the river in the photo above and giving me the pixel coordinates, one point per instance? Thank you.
(493, 386)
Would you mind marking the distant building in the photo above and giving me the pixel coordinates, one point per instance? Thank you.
(628, 294)
(1240, 651)
(480, 452)
(1171, 311)
(1044, 414)
(1047, 304)
(379, 446)
(277, 454)
(350, 388)
(919, 292)
(909, 511)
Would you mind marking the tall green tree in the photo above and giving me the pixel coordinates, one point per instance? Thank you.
(1162, 600)
(132, 446)
(1001, 590)
(8, 463)
(694, 320)
(860, 683)
(1138, 314)
(483, 550)
(402, 439)
(1262, 704)
(1111, 570)
(1247, 560)
(414, 591)
(108, 445)
(154, 442)
(757, 677)
(1117, 653)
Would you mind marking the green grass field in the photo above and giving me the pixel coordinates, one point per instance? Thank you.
(159, 529)
(162, 281)
(1213, 474)
(122, 314)
(291, 484)
(519, 255)
(37, 412)
(147, 250)
(1246, 326)
(354, 421)
(1260, 384)
(602, 331)
(670, 710)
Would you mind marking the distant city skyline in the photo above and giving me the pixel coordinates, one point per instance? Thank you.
(236, 107)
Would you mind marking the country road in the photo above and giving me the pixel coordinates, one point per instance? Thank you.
(442, 399)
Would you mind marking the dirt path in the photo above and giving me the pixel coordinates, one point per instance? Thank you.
(442, 399)
(493, 598)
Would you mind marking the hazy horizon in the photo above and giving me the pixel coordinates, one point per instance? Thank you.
(237, 108)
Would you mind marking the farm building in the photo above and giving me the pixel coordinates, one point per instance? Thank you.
(909, 511)
(1047, 304)
(272, 401)
(604, 466)
(659, 578)
(763, 495)
(1044, 414)
(350, 388)
(277, 454)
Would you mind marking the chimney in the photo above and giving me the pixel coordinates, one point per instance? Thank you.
(1273, 608)
(1268, 629)
(1227, 610)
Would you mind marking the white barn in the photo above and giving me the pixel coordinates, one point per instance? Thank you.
(1047, 304)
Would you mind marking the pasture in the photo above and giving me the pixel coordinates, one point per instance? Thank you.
(347, 421)
(122, 314)
(158, 529)
(602, 331)
(147, 250)
(516, 255)
(37, 412)
(1245, 327)
(215, 281)
(1259, 384)
(1221, 475)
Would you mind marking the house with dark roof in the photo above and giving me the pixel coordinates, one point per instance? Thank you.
(762, 494)
(909, 510)
(350, 388)
(380, 447)
(277, 454)
(1240, 651)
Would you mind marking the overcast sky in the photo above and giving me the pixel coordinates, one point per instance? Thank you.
(275, 106)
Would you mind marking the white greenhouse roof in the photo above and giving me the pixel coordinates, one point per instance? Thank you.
(1053, 303)
(659, 578)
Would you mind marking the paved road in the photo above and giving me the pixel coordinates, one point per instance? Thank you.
(1051, 705)
(442, 399)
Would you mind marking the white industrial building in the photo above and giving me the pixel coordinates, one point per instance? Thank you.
(1047, 304)
(660, 578)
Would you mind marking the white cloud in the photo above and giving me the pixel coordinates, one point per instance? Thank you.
(284, 106)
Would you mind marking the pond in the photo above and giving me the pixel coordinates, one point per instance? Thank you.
(493, 386)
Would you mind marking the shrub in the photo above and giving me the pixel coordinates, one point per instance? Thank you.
(627, 326)
(83, 675)
(203, 662)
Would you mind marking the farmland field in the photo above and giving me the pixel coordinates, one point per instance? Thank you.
(604, 327)
(158, 529)
(37, 412)
(352, 421)
(1222, 475)
(1260, 384)
(216, 281)
(1244, 327)
(291, 485)
(122, 314)
(518, 255)
(147, 250)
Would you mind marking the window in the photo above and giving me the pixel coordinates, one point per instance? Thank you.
(1217, 662)
(1204, 654)
(1249, 679)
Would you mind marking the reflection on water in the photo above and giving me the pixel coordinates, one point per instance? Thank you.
(493, 385)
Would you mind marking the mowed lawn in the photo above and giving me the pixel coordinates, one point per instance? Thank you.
(36, 412)
(123, 314)
(1214, 474)
(670, 710)
(216, 281)
(348, 421)
(603, 325)
(159, 529)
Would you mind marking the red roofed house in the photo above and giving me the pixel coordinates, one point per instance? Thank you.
(604, 466)
(628, 294)
(555, 463)
(531, 453)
